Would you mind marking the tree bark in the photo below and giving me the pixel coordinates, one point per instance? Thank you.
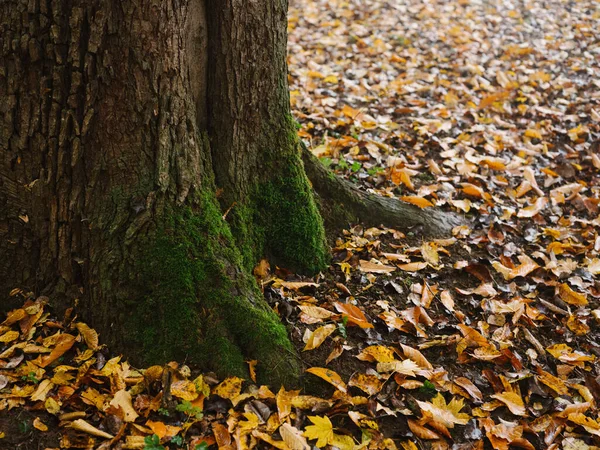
(148, 160)
(107, 188)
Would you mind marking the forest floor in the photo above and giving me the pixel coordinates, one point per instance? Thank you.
(486, 338)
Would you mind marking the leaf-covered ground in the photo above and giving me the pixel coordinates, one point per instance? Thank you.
(488, 338)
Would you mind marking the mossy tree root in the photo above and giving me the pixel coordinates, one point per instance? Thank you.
(342, 203)
(199, 306)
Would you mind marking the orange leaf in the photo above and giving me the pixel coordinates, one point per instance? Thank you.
(571, 297)
(418, 201)
(162, 430)
(330, 376)
(63, 345)
(355, 315)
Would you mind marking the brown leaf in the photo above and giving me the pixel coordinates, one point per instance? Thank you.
(354, 314)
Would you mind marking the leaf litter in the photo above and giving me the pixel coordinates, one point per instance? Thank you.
(485, 339)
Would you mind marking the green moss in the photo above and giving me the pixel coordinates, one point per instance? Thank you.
(292, 223)
(198, 303)
(280, 218)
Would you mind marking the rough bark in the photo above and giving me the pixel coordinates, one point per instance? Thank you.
(253, 137)
(343, 203)
(107, 190)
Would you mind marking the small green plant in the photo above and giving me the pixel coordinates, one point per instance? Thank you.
(187, 408)
(374, 170)
(201, 446)
(177, 440)
(327, 162)
(343, 164)
(342, 327)
(152, 443)
(30, 377)
(163, 411)
(355, 166)
(428, 389)
(24, 426)
(426, 177)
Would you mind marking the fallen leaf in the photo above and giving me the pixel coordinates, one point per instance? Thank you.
(355, 315)
(513, 402)
(330, 376)
(318, 336)
(321, 430)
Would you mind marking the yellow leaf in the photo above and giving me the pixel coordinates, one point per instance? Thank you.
(471, 389)
(52, 406)
(447, 300)
(590, 425)
(513, 402)
(14, 316)
(554, 383)
(473, 190)
(42, 391)
(252, 369)
(322, 430)
(92, 397)
(370, 384)
(494, 164)
(317, 337)
(330, 376)
(251, 423)
(557, 350)
(421, 432)
(62, 378)
(316, 312)
(63, 345)
(406, 367)
(416, 356)
(39, 425)
(122, 401)
(527, 266)
(493, 98)
(229, 388)
(185, 390)
(534, 134)
(430, 253)
(376, 353)
(534, 209)
(571, 297)
(9, 336)
(343, 442)
(294, 285)
(446, 414)
(89, 335)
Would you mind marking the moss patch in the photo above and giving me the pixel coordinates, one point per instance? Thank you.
(280, 218)
(199, 305)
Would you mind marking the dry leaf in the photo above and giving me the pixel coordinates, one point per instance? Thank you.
(330, 376)
(318, 336)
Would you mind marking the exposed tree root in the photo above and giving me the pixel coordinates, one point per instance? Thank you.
(342, 203)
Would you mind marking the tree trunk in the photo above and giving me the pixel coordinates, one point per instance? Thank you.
(107, 186)
(148, 160)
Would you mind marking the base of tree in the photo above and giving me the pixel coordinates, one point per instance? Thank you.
(196, 303)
